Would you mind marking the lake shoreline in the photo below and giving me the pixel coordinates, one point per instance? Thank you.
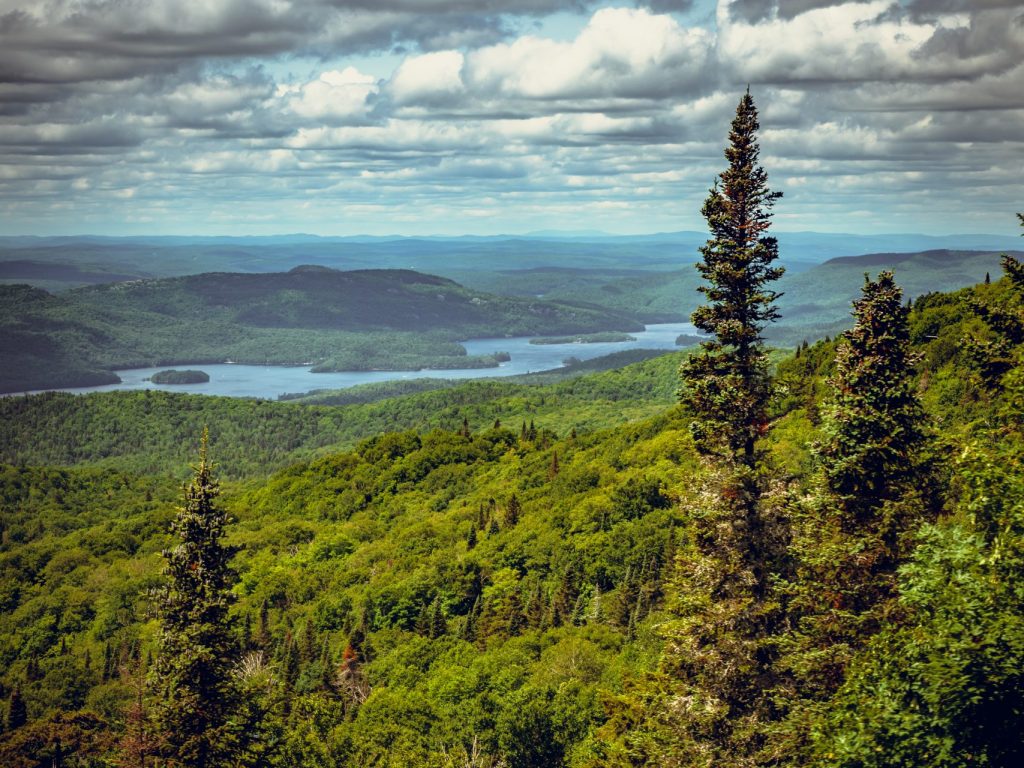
(268, 382)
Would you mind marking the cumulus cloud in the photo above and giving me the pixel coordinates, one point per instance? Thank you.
(622, 52)
(336, 96)
(429, 79)
(280, 114)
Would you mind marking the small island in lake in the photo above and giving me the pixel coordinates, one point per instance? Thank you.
(180, 377)
(585, 338)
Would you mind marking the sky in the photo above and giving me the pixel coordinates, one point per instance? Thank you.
(343, 117)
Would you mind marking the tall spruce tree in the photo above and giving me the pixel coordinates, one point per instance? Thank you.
(875, 425)
(718, 657)
(17, 711)
(193, 673)
(726, 384)
(876, 488)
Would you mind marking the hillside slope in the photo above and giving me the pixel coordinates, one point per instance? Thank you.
(384, 319)
(435, 589)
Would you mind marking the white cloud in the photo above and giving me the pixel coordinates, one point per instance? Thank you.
(336, 97)
(432, 78)
(622, 52)
(861, 41)
(861, 105)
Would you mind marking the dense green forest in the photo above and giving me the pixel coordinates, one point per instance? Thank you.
(359, 571)
(722, 557)
(359, 320)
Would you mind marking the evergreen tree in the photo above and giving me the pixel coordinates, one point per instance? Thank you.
(263, 627)
(726, 384)
(437, 625)
(326, 667)
(718, 655)
(512, 511)
(876, 489)
(17, 712)
(192, 676)
(875, 425)
(307, 648)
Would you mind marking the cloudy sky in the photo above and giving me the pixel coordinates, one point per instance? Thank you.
(503, 116)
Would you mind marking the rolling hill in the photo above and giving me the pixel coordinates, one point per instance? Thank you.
(383, 319)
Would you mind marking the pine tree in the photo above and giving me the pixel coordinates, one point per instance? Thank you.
(192, 676)
(876, 489)
(263, 627)
(307, 648)
(718, 653)
(326, 667)
(437, 625)
(512, 511)
(17, 712)
(875, 426)
(726, 384)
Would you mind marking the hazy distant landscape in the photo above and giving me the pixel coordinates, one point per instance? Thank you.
(394, 319)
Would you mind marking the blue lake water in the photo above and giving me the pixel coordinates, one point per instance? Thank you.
(269, 381)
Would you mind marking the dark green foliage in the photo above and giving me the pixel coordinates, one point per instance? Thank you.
(875, 424)
(717, 655)
(193, 681)
(877, 487)
(944, 686)
(17, 712)
(180, 377)
(726, 383)
(513, 510)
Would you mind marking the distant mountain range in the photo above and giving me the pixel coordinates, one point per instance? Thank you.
(394, 319)
(57, 263)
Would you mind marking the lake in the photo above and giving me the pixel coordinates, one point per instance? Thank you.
(269, 381)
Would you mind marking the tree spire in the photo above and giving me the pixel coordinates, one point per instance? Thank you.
(198, 650)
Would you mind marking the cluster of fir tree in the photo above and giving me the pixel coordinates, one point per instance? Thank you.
(873, 618)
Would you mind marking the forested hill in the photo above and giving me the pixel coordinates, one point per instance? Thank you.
(154, 431)
(380, 319)
(509, 590)
(815, 300)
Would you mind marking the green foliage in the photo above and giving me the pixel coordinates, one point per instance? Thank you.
(875, 423)
(193, 679)
(726, 383)
(371, 633)
(943, 686)
(359, 320)
(153, 431)
(180, 377)
(716, 656)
